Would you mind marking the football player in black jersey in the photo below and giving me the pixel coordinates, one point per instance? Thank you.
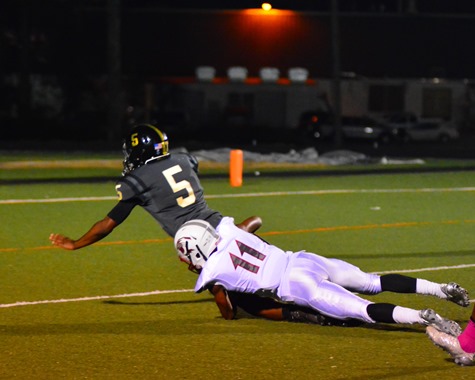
(168, 188)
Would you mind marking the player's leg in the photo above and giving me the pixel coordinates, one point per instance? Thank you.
(354, 279)
(404, 284)
(467, 338)
(388, 313)
(461, 348)
(451, 345)
(305, 284)
(338, 302)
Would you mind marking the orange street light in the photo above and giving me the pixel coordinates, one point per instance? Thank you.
(266, 6)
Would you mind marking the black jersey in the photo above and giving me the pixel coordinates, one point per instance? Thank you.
(168, 189)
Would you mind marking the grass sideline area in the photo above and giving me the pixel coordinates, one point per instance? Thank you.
(123, 309)
(51, 165)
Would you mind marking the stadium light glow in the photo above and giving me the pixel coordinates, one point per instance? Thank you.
(266, 6)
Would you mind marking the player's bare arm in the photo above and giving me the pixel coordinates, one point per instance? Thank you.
(97, 232)
(223, 302)
(275, 314)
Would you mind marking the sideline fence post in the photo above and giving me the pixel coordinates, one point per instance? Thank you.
(236, 163)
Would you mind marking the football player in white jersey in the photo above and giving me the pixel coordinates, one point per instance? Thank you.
(231, 259)
(167, 186)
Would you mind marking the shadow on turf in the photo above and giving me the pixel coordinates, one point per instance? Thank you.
(115, 302)
(243, 315)
(171, 327)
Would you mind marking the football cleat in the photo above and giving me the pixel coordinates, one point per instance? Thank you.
(455, 293)
(315, 317)
(301, 316)
(451, 345)
(447, 326)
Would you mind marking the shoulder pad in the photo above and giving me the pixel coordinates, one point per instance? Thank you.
(192, 160)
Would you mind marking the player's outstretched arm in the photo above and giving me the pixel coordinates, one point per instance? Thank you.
(97, 232)
(223, 302)
(251, 224)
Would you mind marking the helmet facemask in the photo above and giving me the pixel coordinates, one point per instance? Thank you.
(195, 242)
(127, 165)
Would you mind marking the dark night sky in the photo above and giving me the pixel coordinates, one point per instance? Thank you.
(172, 37)
(430, 6)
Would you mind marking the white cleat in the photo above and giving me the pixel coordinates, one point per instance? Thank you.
(451, 345)
(456, 294)
(431, 318)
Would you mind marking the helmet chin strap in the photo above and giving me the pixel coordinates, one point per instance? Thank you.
(194, 269)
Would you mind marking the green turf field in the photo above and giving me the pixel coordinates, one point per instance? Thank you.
(123, 309)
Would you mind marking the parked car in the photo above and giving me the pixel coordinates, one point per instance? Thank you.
(401, 119)
(431, 131)
(407, 126)
(321, 126)
(365, 128)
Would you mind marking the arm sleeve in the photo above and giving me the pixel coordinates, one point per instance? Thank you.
(121, 211)
(194, 163)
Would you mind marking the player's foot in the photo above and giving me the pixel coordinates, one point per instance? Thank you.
(320, 319)
(451, 345)
(441, 324)
(455, 293)
(301, 316)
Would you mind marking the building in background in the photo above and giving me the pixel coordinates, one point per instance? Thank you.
(406, 57)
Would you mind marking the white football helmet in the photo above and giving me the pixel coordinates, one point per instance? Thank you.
(195, 241)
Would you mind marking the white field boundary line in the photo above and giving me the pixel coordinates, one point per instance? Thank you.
(264, 194)
(155, 292)
(94, 298)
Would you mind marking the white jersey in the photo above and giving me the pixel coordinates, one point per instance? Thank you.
(243, 262)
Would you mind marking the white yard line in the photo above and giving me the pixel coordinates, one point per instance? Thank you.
(93, 298)
(243, 195)
(157, 292)
(253, 195)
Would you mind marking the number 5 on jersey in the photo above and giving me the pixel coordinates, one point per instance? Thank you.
(178, 186)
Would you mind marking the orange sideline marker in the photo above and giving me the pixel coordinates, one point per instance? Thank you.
(236, 162)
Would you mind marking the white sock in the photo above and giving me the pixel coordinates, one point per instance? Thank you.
(406, 315)
(429, 288)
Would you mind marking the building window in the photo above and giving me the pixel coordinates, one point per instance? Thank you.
(437, 102)
(386, 98)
